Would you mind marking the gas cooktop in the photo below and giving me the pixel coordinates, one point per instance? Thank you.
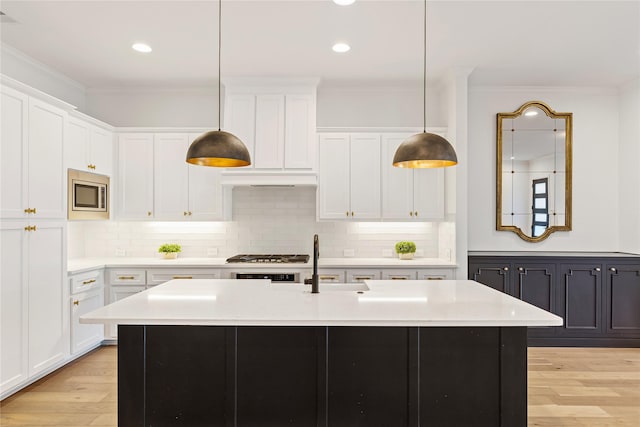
(269, 258)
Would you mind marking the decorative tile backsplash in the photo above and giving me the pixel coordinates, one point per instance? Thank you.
(265, 220)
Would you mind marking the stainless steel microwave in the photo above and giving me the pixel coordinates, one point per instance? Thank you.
(88, 196)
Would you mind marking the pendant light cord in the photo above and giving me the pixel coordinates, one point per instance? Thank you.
(219, 61)
(424, 72)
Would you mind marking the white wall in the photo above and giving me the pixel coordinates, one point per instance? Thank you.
(630, 167)
(27, 70)
(595, 167)
(265, 220)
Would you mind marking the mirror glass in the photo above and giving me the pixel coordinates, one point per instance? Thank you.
(533, 171)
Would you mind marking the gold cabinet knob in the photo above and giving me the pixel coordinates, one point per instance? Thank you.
(351, 213)
(190, 213)
(149, 213)
(76, 302)
(30, 210)
(30, 228)
(411, 213)
(184, 213)
(347, 213)
(416, 213)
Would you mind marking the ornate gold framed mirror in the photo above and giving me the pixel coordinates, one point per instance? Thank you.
(533, 166)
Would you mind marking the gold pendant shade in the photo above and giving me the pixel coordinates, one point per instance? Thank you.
(425, 150)
(218, 149)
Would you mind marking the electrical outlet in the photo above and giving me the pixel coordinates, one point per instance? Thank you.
(212, 251)
(349, 252)
(121, 252)
(387, 253)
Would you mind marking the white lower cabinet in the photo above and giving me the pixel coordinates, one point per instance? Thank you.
(117, 293)
(34, 315)
(85, 336)
(87, 294)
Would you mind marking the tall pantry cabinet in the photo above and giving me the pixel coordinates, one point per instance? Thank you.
(33, 319)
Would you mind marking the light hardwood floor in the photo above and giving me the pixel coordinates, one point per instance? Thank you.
(567, 387)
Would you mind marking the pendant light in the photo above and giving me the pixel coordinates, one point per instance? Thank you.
(425, 150)
(218, 148)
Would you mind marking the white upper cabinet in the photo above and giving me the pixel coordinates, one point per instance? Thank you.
(349, 185)
(170, 176)
(407, 194)
(33, 178)
(135, 173)
(269, 149)
(157, 183)
(13, 155)
(88, 147)
(277, 124)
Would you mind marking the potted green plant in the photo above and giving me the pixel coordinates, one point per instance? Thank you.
(170, 250)
(405, 250)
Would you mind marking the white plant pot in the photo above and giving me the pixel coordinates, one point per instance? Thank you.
(405, 256)
(170, 255)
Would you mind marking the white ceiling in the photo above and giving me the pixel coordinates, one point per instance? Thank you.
(573, 43)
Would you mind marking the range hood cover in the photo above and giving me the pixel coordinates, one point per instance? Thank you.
(256, 178)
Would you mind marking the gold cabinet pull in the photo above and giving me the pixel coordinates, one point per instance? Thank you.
(434, 278)
(398, 278)
(30, 210)
(182, 277)
(86, 282)
(363, 278)
(328, 277)
(126, 277)
(76, 302)
(30, 228)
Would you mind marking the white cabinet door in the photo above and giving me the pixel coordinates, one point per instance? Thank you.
(13, 153)
(75, 148)
(101, 150)
(171, 176)
(240, 120)
(299, 135)
(118, 293)
(84, 336)
(48, 321)
(334, 176)
(13, 304)
(397, 183)
(428, 194)
(135, 162)
(365, 176)
(205, 192)
(269, 148)
(47, 180)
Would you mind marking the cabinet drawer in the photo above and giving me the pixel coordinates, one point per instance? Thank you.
(127, 277)
(331, 276)
(356, 276)
(436, 274)
(399, 275)
(156, 277)
(87, 281)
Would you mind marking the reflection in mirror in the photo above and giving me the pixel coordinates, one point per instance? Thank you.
(533, 194)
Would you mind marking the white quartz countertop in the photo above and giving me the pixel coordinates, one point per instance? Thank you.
(374, 303)
(79, 265)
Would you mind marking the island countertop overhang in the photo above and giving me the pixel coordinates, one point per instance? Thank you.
(420, 303)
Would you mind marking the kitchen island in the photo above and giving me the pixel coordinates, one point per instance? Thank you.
(382, 353)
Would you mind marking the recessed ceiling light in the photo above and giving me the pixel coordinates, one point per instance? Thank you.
(141, 47)
(344, 2)
(341, 47)
(531, 113)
